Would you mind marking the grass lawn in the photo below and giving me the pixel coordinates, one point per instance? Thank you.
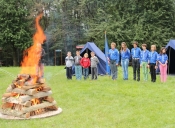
(103, 103)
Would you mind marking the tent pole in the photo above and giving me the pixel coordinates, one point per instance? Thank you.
(169, 61)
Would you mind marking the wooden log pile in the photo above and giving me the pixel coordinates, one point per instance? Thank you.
(23, 98)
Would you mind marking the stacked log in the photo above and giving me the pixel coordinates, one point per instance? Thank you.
(23, 98)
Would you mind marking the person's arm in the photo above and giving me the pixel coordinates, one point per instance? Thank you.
(81, 62)
(89, 62)
(166, 59)
(159, 60)
(140, 55)
(97, 60)
(72, 61)
(117, 59)
(148, 60)
(65, 60)
(148, 56)
(129, 53)
(156, 61)
(108, 54)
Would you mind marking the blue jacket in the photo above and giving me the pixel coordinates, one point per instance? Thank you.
(153, 56)
(162, 58)
(144, 56)
(136, 52)
(125, 54)
(114, 55)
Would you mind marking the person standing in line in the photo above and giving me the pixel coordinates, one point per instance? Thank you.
(113, 57)
(78, 68)
(125, 55)
(135, 53)
(152, 62)
(94, 62)
(163, 60)
(69, 60)
(144, 61)
(85, 63)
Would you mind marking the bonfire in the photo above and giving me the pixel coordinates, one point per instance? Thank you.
(28, 96)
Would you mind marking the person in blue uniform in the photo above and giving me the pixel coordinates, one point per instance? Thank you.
(125, 55)
(163, 60)
(113, 57)
(144, 61)
(136, 53)
(152, 62)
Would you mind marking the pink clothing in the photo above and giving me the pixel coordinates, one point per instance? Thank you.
(163, 72)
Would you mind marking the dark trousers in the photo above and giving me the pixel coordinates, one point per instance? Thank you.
(94, 73)
(85, 73)
(153, 72)
(69, 72)
(136, 68)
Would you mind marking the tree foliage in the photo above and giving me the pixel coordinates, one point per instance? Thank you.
(147, 21)
(15, 26)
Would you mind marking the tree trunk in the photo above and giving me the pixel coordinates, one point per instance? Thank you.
(15, 57)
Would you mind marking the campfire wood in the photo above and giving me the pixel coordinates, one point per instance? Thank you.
(27, 100)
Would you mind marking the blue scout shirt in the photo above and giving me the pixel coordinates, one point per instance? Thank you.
(153, 56)
(125, 54)
(114, 55)
(144, 56)
(162, 58)
(135, 52)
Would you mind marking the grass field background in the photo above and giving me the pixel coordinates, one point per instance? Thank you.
(101, 104)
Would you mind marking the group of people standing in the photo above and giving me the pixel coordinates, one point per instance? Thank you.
(144, 59)
(80, 63)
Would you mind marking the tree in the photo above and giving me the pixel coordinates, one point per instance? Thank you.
(15, 27)
(147, 21)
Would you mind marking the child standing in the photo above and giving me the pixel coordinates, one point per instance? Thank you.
(113, 57)
(144, 61)
(163, 60)
(69, 60)
(136, 52)
(94, 62)
(152, 62)
(78, 68)
(85, 63)
(125, 55)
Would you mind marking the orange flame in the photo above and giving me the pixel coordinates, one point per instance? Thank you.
(32, 55)
(35, 101)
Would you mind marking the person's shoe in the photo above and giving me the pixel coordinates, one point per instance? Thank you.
(134, 79)
(138, 80)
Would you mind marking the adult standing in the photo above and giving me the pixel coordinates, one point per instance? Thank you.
(113, 57)
(136, 53)
(125, 55)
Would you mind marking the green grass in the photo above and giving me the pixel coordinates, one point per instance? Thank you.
(103, 103)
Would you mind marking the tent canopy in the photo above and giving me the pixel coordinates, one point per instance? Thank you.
(171, 44)
(171, 52)
(91, 47)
